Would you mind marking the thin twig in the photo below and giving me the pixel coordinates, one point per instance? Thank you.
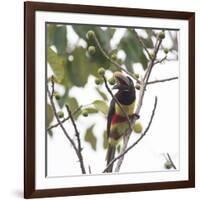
(116, 100)
(62, 127)
(171, 59)
(150, 67)
(170, 159)
(143, 45)
(89, 169)
(160, 61)
(78, 137)
(162, 80)
(137, 141)
(112, 61)
(65, 119)
(165, 156)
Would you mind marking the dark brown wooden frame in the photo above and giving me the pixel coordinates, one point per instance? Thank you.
(29, 98)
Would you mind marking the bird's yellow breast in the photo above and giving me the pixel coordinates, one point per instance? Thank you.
(129, 109)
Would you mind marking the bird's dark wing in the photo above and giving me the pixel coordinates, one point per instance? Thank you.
(111, 112)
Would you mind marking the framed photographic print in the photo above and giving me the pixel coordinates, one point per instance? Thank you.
(109, 99)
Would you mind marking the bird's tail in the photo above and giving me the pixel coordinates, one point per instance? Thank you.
(110, 156)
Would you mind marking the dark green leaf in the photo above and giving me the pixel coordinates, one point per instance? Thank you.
(133, 49)
(110, 32)
(148, 41)
(90, 137)
(56, 35)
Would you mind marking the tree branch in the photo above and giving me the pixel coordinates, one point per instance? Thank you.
(112, 61)
(65, 119)
(160, 61)
(62, 127)
(143, 85)
(137, 141)
(151, 64)
(143, 45)
(162, 80)
(78, 138)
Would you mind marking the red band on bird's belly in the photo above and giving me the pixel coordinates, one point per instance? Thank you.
(117, 119)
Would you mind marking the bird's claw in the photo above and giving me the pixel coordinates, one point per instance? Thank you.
(136, 116)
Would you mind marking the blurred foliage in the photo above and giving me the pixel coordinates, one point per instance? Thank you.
(57, 64)
(105, 140)
(102, 94)
(56, 35)
(49, 114)
(101, 106)
(72, 65)
(133, 49)
(91, 138)
(91, 110)
(73, 104)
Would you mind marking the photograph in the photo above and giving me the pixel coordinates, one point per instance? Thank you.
(112, 99)
(109, 100)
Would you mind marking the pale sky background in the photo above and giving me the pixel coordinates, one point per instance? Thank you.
(146, 156)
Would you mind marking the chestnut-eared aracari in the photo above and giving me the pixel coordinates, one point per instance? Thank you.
(117, 123)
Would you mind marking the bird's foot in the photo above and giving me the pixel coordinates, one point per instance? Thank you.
(136, 116)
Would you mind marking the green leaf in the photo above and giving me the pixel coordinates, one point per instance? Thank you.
(64, 98)
(78, 68)
(148, 41)
(102, 94)
(105, 140)
(90, 137)
(110, 32)
(101, 106)
(57, 35)
(73, 105)
(133, 49)
(91, 110)
(51, 28)
(49, 114)
(60, 39)
(57, 64)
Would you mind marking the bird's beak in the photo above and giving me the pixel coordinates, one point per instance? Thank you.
(122, 80)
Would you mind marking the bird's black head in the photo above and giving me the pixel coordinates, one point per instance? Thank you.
(124, 83)
(126, 89)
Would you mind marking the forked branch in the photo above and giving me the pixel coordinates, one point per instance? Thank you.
(78, 153)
